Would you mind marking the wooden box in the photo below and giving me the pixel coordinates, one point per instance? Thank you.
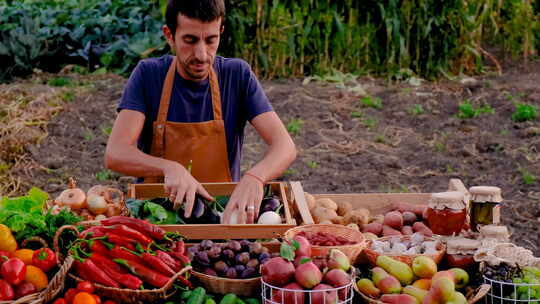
(377, 203)
(218, 231)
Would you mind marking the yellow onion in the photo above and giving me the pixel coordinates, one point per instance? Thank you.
(113, 209)
(96, 190)
(96, 204)
(73, 197)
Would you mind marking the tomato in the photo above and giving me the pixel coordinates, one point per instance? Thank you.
(70, 294)
(85, 286)
(6, 291)
(98, 299)
(60, 301)
(13, 271)
(37, 277)
(44, 259)
(84, 298)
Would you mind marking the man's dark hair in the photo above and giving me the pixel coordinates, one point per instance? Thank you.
(203, 10)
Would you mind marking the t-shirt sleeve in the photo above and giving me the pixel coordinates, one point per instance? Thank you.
(133, 97)
(256, 100)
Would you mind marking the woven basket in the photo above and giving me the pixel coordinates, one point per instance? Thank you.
(131, 296)
(240, 287)
(372, 255)
(472, 297)
(352, 251)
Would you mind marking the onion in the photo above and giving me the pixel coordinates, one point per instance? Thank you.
(97, 204)
(73, 197)
(112, 210)
(97, 190)
(100, 217)
(114, 196)
(269, 218)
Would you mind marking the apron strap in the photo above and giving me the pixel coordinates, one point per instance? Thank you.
(216, 96)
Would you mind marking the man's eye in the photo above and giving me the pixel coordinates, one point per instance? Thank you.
(189, 40)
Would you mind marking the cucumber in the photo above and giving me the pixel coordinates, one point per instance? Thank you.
(252, 301)
(197, 296)
(229, 298)
(239, 301)
(209, 301)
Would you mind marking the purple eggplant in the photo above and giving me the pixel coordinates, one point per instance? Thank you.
(269, 204)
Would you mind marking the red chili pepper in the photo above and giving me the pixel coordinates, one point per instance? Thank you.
(120, 253)
(180, 257)
(79, 269)
(13, 271)
(94, 231)
(180, 247)
(140, 225)
(185, 282)
(116, 272)
(151, 277)
(6, 291)
(97, 275)
(121, 241)
(44, 259)
(157, 264)
(97, 246)
(169, 260)
(127, 232)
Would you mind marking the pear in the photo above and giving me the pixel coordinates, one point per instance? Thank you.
(378, 274)
(397, 269)
(367, 287)
(416, 292)
(457, 298)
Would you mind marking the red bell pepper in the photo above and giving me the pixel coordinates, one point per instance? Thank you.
(165, 257)
(130, 233)
(146, 274)
(157, 264)
(145, 227)
(6, 291)
(13, 271)
(44, 259)
(4, 256)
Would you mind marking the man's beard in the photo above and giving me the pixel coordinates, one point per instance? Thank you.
(195, 75)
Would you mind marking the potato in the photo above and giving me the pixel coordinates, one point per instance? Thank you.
(326, 222)
(409, 218)
(353, 226)
(339, 220)
(416, 209)
(379, 218)
(310, 200)
(326, 203)
(389, 231)
(407, 230)
(343, 208)
(321, 214)
(375, 228)
(359, 217)
(370, 236)
(394, 219)
(422, 228)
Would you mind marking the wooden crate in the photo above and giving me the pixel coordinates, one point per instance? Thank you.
(377, 203)
(218, 231)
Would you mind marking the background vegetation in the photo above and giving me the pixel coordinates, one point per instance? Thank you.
(279, 38)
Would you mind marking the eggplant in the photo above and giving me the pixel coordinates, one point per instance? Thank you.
(198, 207)
(210, 216)
(269, 204)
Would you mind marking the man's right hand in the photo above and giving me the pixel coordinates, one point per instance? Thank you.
(181, 186)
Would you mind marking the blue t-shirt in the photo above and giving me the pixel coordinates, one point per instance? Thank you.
(242, 99)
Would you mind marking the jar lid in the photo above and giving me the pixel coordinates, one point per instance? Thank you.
(451, 199)
(482, 194)
(462, 246)
(499, 233)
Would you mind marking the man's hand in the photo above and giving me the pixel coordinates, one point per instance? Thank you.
(246, 197)
(180, 185)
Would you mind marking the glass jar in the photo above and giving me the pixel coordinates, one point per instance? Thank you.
(447, 212)
(485, 206)
(460, 252)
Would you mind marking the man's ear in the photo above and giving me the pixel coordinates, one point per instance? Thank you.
(169, 36)
(222, 29)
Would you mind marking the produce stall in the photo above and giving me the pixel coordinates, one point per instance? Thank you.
(104, 246)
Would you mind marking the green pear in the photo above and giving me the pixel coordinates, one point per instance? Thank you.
(397, 269)
(457, 298)
(461, 277)
(444, 289)
(367, 287)
(424, 267)
(416, 292)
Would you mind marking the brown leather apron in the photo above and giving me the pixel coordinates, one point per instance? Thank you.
(203, 144)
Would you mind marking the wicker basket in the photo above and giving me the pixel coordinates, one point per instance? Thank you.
(240, 287)
(371, 255)
(352, 251)
(473, 296)
(131, 296)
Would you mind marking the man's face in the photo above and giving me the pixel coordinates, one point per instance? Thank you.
(196, 44)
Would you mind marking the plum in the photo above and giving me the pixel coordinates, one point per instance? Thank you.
(221, 267)
(242, 258)
(210, 272)
(214, 252)
(206, 244)
(234, 245)
(253, 263)
(263, 256)
(255, 248)
(202, 258)
(239, 268)
(249, 272)
(231, 273)
(245, 245)
(227, 255)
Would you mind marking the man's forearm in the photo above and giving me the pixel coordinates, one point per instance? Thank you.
(277, 159)
(131, 161)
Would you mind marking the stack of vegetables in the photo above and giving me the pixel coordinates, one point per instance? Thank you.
(129, 253)
(83, 293)
(24, 271)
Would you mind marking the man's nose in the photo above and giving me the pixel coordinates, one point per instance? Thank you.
(200, 52)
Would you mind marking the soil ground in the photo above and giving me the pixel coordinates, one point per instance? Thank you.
(405, 137)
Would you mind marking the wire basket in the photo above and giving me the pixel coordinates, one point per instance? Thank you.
(278, 295)
(506, 293)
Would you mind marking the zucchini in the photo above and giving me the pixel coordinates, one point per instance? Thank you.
(197, 296)
(229, 298)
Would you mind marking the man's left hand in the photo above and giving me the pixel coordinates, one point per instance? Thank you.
(246, 197)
